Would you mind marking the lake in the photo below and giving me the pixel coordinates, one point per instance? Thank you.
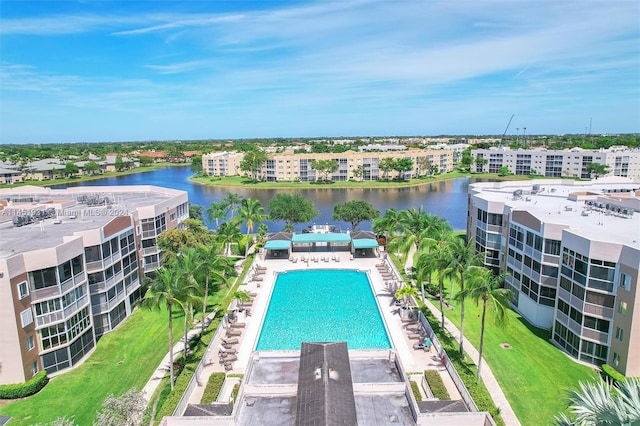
(447, 199)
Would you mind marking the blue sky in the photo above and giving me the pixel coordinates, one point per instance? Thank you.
(124, 70)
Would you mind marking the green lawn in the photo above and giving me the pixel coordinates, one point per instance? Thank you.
(124, 358)
(533, 374)
(244, 182)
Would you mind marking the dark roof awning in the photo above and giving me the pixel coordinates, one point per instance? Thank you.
(325, 387)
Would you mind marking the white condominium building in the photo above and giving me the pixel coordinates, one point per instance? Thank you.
(71, 265)
(562, 163)
(572, 254)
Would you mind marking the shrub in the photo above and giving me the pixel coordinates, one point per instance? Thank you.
(28, 388)
(611, 373)
(416, 390)
(214, 386)
(436, 385)
(234, 391)
(466, 371)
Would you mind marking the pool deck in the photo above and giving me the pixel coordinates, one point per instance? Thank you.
(413, 360)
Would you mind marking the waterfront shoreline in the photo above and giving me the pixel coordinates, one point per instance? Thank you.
(246, 183)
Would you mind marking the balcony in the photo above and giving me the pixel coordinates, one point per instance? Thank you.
(598, 336)
(598, 310)
(48, 319)
(76, 306)
(45, 293)
(147, 251)
(151, 266)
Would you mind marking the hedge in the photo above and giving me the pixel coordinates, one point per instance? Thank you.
(28, 388)
(436, 385)
(466, 371)
(214, 386)
(167, 407)
(416, 390)
(612, 373)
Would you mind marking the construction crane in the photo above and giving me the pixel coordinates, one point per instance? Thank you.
(505, 130)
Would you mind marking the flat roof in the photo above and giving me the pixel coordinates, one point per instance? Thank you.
(329, 237)
(553, 204)
(278, 245)
(71, 215)
(365, 243)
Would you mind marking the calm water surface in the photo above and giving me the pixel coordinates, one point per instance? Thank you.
(447, 199)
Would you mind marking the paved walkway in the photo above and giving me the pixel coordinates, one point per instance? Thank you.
(486, 374)
(178, 348)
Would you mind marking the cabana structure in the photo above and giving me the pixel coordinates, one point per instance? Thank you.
(329, 241)
(364, 244)
(282, 245)
(278, 246)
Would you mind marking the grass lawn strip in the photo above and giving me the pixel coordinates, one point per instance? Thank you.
(124, 358)
(244, 182)
(533, 374)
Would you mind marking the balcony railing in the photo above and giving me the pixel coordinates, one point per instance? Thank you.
(598, 336)
(49, 318)
(598, 310)
(45, 293)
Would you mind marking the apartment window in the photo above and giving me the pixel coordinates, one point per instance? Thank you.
(23, 290)
(29, 343)
(619, 333)
(552, 247)
(33, 368)
(623, 308)
(596, 324)
(43, 278)
(616, 359)
(625, 281)
(27, 317)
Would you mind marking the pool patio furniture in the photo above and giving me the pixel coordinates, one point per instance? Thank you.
(422, 346)
(222, 350)
(234, 333)
(416, 336)
(252, 293)
(230, 341)
(238, 325)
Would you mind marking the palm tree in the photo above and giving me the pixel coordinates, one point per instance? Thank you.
(251, 213)
(460, 256)
(404, 293)
(483, 285)
(228, 233)
(231, 202)
(241, 297)
(166, 290)
(213, 267)
(186, 265)
(601, 403)
(215, 212)
(386, 224)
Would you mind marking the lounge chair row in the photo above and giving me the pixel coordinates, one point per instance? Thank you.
(317, 259)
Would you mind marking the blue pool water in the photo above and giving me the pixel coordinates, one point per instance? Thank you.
(322, 306)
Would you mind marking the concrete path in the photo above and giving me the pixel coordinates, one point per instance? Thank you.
(486, 374)
(163, 368)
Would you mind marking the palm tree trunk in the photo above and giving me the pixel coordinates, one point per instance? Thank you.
(171, 344)
(484, 309)
(441, 288)
(246, 249)
(461, 317)
(186, 342)
(204, 301)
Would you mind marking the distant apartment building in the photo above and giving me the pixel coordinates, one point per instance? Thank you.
(9, 176)
(557, 163)
(289, 166)
(571, 251)
(71, 265)
(222, 163)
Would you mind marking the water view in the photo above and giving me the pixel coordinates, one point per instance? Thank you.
(447, 199)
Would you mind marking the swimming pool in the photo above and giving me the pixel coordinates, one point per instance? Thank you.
(326, 305)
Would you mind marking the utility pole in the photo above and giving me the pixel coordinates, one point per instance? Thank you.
(517, 134)
(524, 136)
